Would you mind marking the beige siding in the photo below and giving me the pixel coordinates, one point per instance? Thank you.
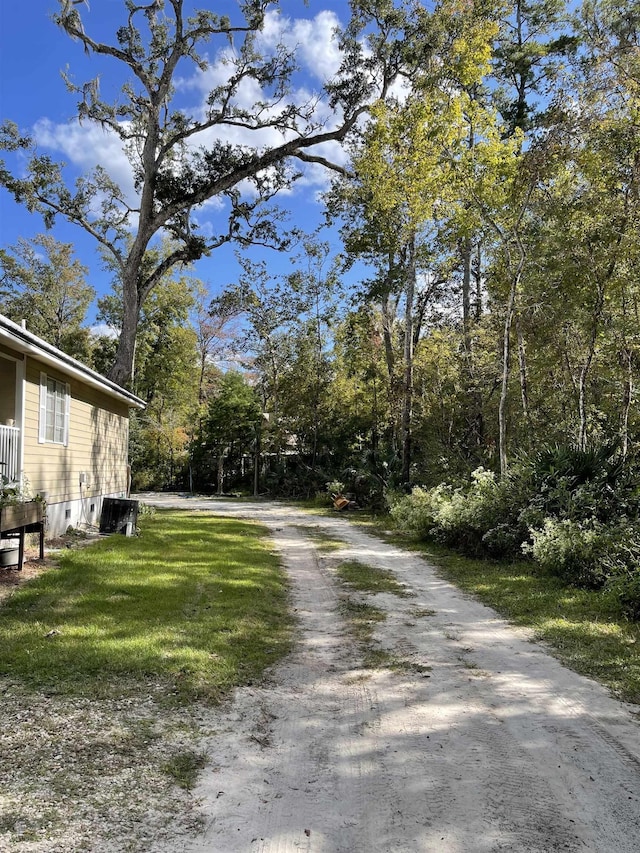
(98, 439)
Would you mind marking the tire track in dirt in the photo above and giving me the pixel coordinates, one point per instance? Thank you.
(498, 748)
(307, 778)
(591, 786)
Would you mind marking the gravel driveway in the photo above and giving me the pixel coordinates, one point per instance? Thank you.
(482, 742)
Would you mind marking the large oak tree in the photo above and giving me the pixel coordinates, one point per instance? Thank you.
(182, 160)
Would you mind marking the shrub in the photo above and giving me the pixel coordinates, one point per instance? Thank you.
(576, 552)
(419, 512)
(365, 483)
(484, 519)
(502, 540)
(575, 483)
(335, 487)
(479, 520)
(625, 587)
(576, 512)
(623, 566)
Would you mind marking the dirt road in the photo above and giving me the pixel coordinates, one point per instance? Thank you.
(493, 746)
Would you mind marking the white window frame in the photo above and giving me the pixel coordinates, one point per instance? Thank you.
(59, 388)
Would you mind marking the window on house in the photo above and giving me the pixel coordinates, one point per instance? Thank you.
(54, 410)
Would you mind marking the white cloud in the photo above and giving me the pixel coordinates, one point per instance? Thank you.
(216, 203)
(313, 40)
(103, 330)
(86, 146)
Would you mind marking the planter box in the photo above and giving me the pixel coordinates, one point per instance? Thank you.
(20, 515)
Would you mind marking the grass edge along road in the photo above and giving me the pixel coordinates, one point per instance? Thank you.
(582, 628)
(195, 605)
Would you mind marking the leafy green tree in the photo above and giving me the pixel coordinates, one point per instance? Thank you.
(285, 321)
(407, 186)
(585, 239)
(228, 432)
(166, 378)
(530, 49)
(167, 307)
(314, 284)
(609, 31)
(268, 308)
(215, 330)
(43, 283)
(181, 159)
(362, 420)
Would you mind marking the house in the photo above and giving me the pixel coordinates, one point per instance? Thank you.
(64, 429)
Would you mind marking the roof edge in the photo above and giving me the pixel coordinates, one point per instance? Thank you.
(30, 344)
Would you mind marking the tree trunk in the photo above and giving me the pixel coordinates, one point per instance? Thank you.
(522, 364)
(466, 301)
(582, 404)
(477, 272)
(506, 352)
(387, 336)
(388, 317)
(317, 380)
(586, 367)
(407, 395)
(220, 475)
(627, 358)
(474, 397)
(203, 369)
(374, 414)
(121, 372)
(506, 370)
(256, 469)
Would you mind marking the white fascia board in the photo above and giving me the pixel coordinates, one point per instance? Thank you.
(29, 344)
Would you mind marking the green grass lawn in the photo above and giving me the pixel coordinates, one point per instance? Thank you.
(192, 607)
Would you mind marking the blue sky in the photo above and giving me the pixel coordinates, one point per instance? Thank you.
(33, 52)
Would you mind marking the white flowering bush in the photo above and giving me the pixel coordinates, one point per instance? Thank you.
(575, 551)
(420, 511)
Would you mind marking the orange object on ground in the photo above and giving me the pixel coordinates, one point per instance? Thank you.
(340, 502)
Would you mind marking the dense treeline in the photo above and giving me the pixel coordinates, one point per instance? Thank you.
(490, 220)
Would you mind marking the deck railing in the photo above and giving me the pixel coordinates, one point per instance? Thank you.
(10, 452)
